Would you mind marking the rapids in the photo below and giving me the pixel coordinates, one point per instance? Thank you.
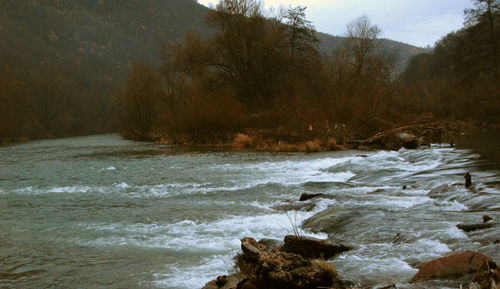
(102, 212)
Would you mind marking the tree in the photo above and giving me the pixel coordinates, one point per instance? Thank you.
(53, 101)
(301, 32)
(246, 50)
(483, 22)
(141, 102)
(361, 41)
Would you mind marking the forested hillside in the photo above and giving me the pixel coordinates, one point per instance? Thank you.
(67, 58)
(270, 79)
(460, 78)
(62, 61)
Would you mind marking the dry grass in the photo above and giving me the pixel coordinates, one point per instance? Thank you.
(310, 146)
(327, 267)
(242, 141)
(332, 145)
(284, 146)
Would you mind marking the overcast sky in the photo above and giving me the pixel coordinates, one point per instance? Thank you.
(417, 22)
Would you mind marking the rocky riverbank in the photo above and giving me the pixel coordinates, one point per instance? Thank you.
(305, 262)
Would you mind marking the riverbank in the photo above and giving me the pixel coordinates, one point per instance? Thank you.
(408, 136)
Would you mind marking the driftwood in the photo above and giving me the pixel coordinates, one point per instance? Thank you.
(419, 127)
(411, 136)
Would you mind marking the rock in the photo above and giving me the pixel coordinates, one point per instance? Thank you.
(278, 269)
(486, 218)
(468, 180)
(488, 276)
(227, 282)
(394, 140)
(409, 141)
(454, 265)
(251, 249)
(474, 227)
(331, 220)
(271, 243)
(306, 196)
(312, 248)
(377, 191)
(440, 190)
(388, 286)
(221, 281)
(305, 207)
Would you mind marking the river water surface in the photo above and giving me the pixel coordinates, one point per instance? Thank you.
(101, 212)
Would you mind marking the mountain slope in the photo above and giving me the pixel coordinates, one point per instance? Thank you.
(76, 54)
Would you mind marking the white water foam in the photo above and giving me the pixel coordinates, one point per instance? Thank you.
(194, 276)
(216, 237)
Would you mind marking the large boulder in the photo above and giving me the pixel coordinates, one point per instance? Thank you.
(260, 268)
(451, 266)
(271, 243)
(332, 220)
(394, 140)
(309, 247)
(278, 269)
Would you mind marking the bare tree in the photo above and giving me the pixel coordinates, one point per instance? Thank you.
(361, 41)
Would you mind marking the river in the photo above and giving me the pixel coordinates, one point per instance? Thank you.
(102, 212)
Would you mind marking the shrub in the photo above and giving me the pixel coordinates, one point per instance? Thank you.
(242, 141)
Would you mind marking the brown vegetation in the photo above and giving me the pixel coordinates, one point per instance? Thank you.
(265, 78)
(459, 79)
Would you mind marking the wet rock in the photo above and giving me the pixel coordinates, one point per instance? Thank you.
(312, 248)
(486, 218)
(440, 190)
(305, 207)
(271, 243)
(387, 287)
(474, 227)
(488, 276)
(333, 220)
(325, 221)
(306, 196)
(377, 191)
(451, 266)
(468, 180)
(414, 263)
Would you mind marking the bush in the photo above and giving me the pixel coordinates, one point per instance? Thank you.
(242, 140)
